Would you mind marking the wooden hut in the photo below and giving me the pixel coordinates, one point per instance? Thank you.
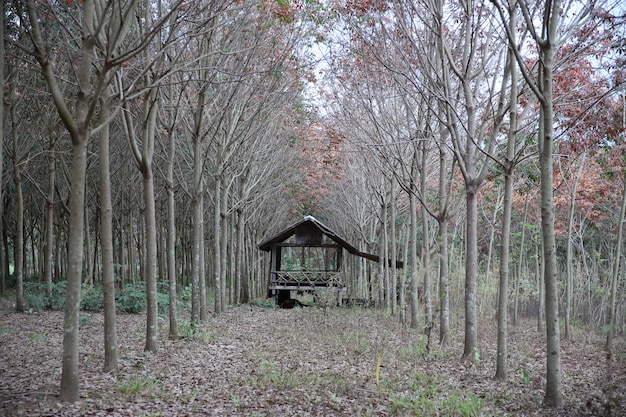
(308, 256)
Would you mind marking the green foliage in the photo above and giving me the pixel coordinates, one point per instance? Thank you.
(457, 404)
(187, 330)
(36, 300)
(416, 350)
(38, 337)
(57, 300)
(415, 405)
(163, 301)
(6, 330)
(36, 295)
(357, 341)
(92, 298)
(262, 302)
(137, 385)
(271, 373)
(132, 299)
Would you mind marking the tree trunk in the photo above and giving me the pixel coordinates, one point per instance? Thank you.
(442, 237)
(615, 274)
(428, 309)
(106, 238)
(394, 250)
(223, 236)
(505, 240)
(203, 284)
(48, 266)
(471, 272)
(383, 283)
(152, 314)
(18, 245)
(195, 255)
(241, 286)
(569, 261)
(413, 256)
(171, 236)
(219, 302)
(3, 259)
(553, 395)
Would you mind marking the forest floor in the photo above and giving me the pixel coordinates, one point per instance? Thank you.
(259, 361)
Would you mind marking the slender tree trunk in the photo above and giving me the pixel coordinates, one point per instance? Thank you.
(18, 245)
(520, 264)
(203, 284)
(403, 275)
(569, 261)
(152, 316)
(69, 376)
(428, 310)
(505, 240)
(106, 237)
(171, 236)
(219, 303)
(471, 272)
(442, 219)
(394, 250)
(413, 256)
(553, 396)
(195, 254)
(383, 282)
(3, 259)
(223, 236)
(48, 266)
(615, 274)
(88, 246)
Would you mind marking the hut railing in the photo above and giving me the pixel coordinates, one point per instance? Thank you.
(307, 278)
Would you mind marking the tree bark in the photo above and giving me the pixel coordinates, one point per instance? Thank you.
(471, 272)
(570, 261)
(413, 247)
(615, 274)
(18, 245)
(106, 238)
(219, 302)
(553, 395)
(507, 206)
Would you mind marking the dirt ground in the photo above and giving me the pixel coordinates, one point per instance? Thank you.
(257, 361)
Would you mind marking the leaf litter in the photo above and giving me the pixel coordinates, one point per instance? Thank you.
(255, 361)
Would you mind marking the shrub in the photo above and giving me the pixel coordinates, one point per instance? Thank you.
(92, 300)
(132, 299)
(57, 300)
(36, 300)
(163, 300)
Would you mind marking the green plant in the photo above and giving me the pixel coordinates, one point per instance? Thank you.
(84, 320)
(523, 371)
(6, 330)
(163, 302)
(416, 350)
(458, 405)
(187, 330)
(38, 337)
(136, 385)
(262, 302)
(36, 301)
(93, 299)
(409, 404)
(131, 299)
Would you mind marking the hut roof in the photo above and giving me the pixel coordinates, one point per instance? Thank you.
(285, 234)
